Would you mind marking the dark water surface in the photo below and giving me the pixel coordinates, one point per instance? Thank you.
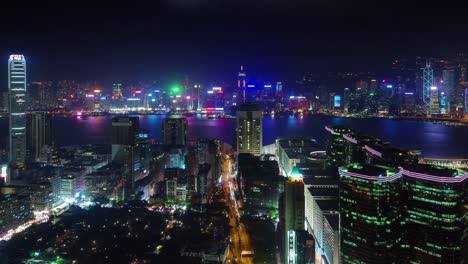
(435, 140)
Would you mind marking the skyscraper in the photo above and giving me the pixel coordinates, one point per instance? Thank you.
(428, 78)
(434, 106)
(413, 215)
(16, 108)
(336, 147)
(39, 133)
(124, 135)
(369, 214)
(175, 131)
(249, 129)
(294, 215)
(435, 212)
(242, 85)
(448, 87)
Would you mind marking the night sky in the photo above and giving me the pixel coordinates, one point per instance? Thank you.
(209, 39)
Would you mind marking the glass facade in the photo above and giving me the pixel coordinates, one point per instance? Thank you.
(418, 214)
(16, 108)
(369, 214)
(436, 214)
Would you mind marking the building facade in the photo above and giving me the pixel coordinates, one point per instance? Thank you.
(249, 129)
(17, 108)
(175, 131)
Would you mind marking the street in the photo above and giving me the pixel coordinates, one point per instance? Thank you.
(240, 239)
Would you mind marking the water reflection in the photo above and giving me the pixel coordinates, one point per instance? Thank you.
(433, 139)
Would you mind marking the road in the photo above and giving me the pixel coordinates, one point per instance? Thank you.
(240, 239)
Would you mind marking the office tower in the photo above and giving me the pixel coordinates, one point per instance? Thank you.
(175, 131)
(117, 91)
(39, 134)
(322, 218)
(294, 215)
(16, 107)
(448, 87)
(242, 85)
(428, 75)
(434, 106)
(346, 99)
(249, 129)
(369, 214)
(435, 211)
(279, 90)
(335, 147)
(124, 135)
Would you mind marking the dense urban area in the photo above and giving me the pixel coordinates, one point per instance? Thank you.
(178, 199)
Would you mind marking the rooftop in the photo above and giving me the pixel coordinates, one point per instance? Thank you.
(370, 170)
(324, 192)
(434, 170)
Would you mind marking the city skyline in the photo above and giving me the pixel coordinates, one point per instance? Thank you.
(234, 132)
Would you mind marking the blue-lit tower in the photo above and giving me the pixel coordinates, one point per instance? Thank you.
(428, 76)
(16, 108)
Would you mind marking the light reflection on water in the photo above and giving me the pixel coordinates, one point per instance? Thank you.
(433, 139)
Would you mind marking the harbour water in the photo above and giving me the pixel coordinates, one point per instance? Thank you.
(434, 140)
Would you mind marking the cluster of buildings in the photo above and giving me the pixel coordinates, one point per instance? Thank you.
(356, 200)
(420, 87)
(40, 179)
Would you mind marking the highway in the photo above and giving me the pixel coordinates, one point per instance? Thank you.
(240, 238)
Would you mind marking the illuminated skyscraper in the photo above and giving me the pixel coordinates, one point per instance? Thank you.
(434, 106)
(249, 129)
(16, 107)
(435, 214)
(242, 85)
(294, 215)
(428, 76)
(369, 214)
(175, 131)
(117, 90)
(124, 135)
(448, 87)
(413, 215)
(279, 90)
(336, 147)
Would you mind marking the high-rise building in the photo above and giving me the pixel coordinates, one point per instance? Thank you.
(413, 215)
(369, 214)
(16, 108)
(39, 133)
(434, 106)
(249, 129)
(435, 211)
(294, 215)
(428, 78)
(175, 131)
(124, 134)
(346, 99)
(466, 101)
(336, 146)
(448, 87)
(242, 85)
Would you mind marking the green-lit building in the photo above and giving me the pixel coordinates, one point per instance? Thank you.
(436, 214)
(336, 147)
(418, 214)
(370, 214)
